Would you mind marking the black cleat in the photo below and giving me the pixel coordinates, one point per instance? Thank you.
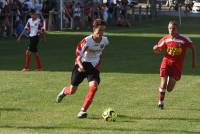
(82, 114)
(169, 90)
(60, 96)
(161, 106)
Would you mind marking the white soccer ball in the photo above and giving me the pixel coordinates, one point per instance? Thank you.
(109, 115)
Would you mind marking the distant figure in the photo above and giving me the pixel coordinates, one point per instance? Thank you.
(19, 28)
(172, 63)
(36, 28)
(87, 63)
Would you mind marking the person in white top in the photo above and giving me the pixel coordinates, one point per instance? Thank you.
(87, 65)
(36, 27)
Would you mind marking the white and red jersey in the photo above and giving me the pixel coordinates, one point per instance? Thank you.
(175, 49)
(34, 26)
(90, 51)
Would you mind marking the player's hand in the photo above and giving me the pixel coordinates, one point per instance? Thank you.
(156, 49)
(18, 39)
(81, 69)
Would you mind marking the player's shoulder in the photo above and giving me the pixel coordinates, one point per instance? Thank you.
(167, 36)
(184, 38)
(104, 38)
(29, 20)
(88, 38)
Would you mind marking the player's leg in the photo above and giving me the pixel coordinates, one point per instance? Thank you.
(162, 89)
(34, 48)
(171, 84)
(27, 60)
(93, 86)
(37, 62)
(175, 75)
(94, 80)
(76, 78)
(66, 91)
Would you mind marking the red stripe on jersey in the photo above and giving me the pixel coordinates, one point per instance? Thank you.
(80, 48)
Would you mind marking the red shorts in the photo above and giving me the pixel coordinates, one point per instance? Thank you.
(170, 71)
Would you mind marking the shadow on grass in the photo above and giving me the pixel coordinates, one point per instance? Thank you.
(126, 118)
(117, 129)
(10, 109)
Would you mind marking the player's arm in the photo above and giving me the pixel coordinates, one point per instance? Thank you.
(26, 28)
(192, 47)
(193, 56)
(18, 39)
(158, 47)
(81, 68)
(79, 52)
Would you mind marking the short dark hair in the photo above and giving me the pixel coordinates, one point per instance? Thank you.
(173, 22)
(98, 22)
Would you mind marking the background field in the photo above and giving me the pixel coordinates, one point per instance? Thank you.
(129, 81)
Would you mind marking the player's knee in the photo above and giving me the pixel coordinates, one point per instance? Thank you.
(93, 85)
(28, 52)
(162, 89)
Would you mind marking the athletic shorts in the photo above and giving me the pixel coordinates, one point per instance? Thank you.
(170, 71)
(33, 46)
(91, 73)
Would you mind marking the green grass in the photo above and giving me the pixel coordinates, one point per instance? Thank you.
(129, 81)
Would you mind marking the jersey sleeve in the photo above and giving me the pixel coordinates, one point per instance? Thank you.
(188, 42)
(27, 26)
(106, 41)
(161, 44)
(82, 45)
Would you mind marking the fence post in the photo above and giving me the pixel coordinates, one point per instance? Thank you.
(147, 11)
(140, 13)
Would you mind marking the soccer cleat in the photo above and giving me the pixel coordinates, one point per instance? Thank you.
(25, 69)
(169, 89)
(161, 106)
(60, 96)
(82, 114)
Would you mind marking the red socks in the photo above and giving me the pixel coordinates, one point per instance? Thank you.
(89, 97)
(37, 62)
(27, 60)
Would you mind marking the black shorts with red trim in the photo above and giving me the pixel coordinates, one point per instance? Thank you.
(33, 46)
(91, 73)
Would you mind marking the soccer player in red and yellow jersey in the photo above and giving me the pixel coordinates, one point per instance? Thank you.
(87, 63)
(172, 63)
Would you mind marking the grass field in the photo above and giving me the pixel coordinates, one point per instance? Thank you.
(129, 82)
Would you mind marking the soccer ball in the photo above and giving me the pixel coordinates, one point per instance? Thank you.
(109, 115)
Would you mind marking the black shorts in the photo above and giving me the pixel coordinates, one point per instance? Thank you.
(91, 73)
(33, 44)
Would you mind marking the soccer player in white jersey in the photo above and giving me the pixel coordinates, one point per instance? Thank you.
(36, 27)
(87, 63)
